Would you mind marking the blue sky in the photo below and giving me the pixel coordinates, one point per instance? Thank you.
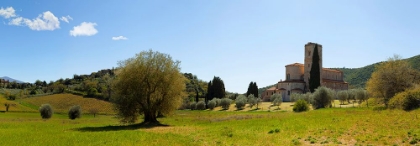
(238, 40)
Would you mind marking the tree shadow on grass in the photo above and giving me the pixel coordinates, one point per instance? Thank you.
(121, 127)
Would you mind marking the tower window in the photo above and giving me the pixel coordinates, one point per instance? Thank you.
(288, 92)
(309, 53)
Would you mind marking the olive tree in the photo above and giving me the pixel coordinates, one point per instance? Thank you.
(322, 97)
(240, 102)
(252, 100)
(148, 84)
(46, 111)
(276, 99)
(342, 96)
(75, 112)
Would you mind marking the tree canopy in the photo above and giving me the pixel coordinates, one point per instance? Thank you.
(148, 84)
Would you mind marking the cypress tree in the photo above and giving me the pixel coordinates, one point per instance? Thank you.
(209, 95)
(218, 88)
(250, 89)
(255, 90)
(315, 75)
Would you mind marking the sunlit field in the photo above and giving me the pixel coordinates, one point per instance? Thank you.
(335, 126)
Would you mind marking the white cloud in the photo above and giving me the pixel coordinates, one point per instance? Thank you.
(45, 21)
(17, 21)
(66, 18)
(84, 29)
(119, 38)
(8, 12)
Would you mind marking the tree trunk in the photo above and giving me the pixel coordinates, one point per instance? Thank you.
(150, 117)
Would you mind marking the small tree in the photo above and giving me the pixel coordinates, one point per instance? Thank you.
(258, 101)
(201, 105)
(46, 111)
(300, 106)
(295, 97)
(277, 100)
(361, 95)
(240, 102)
(322, 98)
(225, 103)
(252, 100)
(75, 112)
(342, 96)
(7, 105)
(93, 111)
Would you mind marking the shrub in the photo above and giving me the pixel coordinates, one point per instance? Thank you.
(92, 92)
(225, 103)
(12, 97)
(300, 106)
(212, 104)
(33, 92)
(200, 105)
(46, 111)
(322, 98)
(407, 100)
(75, 112)
(193, 106)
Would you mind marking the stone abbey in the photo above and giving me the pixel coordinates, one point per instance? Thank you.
(297, 77)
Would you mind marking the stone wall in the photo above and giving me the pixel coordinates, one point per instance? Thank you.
(332, 74)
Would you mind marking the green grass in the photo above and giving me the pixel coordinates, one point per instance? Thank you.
(345, 126)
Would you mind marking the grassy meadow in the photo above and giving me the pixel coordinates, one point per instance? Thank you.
(335, 126)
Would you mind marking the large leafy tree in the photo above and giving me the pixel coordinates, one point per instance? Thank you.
(390, 78)
(148, 84)
(315, 73)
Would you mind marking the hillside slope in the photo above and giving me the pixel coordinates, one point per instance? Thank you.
(61, 103)
(15, 105)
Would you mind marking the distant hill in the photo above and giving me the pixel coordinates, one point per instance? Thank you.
(357, 77)
(11, 79)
